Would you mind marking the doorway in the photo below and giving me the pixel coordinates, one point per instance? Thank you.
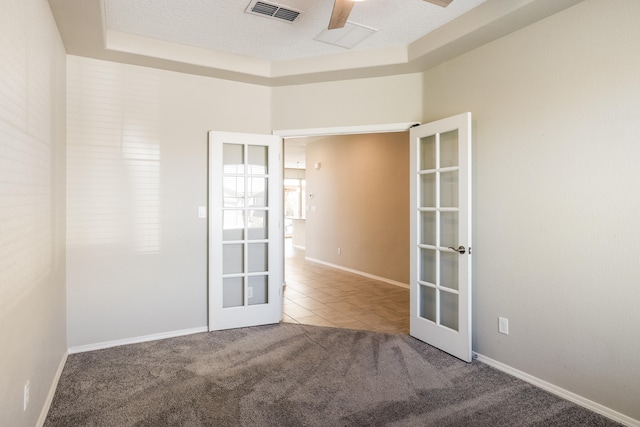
(352, 270)
(246, 288)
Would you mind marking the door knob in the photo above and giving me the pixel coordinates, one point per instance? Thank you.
(460, 249)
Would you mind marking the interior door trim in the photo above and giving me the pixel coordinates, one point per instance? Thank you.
(345, 130)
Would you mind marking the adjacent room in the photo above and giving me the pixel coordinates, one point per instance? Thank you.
(349, 219)
(107, 108)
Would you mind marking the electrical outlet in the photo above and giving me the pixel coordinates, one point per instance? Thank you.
(503, 325)
(339, 251)
(250, 292)
(26, 396)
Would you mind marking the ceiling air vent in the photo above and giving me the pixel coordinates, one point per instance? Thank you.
(273, 10)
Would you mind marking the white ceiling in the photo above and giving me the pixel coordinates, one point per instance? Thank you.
(223, 25)
(216, 38)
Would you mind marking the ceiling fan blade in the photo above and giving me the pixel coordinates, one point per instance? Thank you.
(341, 11)
(443, 3)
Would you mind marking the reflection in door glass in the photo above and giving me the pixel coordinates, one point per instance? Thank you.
(257, 193)
(449, 310)
(428, 265)
(258, 257)
(449, 189)
(449, 229)
(258, 224)
(232, 292)
(232, 224)
(428, 152)
(232, 258)
(428, 190)
(233, 191)
(449, 269)
(258, 159)
(428, 228)
(427, 303)
(449, 149)
(258, 293)
(233, 158)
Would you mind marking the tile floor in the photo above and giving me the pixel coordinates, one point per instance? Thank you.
(324, 296)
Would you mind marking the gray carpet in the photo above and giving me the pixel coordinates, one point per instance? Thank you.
(297, 375)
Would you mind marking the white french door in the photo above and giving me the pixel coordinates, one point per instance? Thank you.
(441, 234)
(245, 236)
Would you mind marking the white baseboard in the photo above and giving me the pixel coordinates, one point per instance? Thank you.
(136, 340)
(302, 248)
(558, 391)
(361, 273)
(52, 391)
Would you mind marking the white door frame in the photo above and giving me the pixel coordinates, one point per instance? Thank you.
(326, 131)
(345, 130)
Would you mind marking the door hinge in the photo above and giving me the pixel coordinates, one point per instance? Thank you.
(469, 250)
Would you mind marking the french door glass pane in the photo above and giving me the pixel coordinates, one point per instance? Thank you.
(232, 258)
(449, 229)
(428, 152)
(232, 225)
(233, 191)
(258, 224)
(427, 303)
(428, 265)
(258, 257)
(259, 288)
(258, 159)
(449, 189)
(449, 269)
(233, 158)
(428, 228)
(257, 192)
(232, 292)
(449, 149)
(449, 310)
(428, 190)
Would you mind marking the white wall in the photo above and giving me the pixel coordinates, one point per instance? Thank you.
(32, 207)
(137, 172)
(556, 110)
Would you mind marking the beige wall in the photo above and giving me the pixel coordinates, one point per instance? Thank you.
(137, 172)
(361, 199)
(556, 184)
(555, 181)
(32, 208)
(381, 100)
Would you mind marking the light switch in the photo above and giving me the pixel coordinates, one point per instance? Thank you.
(202, 211)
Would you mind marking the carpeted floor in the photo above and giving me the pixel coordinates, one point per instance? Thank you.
(297, 375)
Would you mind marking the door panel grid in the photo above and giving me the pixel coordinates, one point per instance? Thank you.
(245, 276)
(438, 209)
(245, 201)
(440, 218)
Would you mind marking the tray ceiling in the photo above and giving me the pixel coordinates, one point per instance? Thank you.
(218, 38)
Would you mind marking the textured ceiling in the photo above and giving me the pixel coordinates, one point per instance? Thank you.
(223, 25)
(216, 38)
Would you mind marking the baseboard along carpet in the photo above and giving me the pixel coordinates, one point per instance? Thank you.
(297, 375)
